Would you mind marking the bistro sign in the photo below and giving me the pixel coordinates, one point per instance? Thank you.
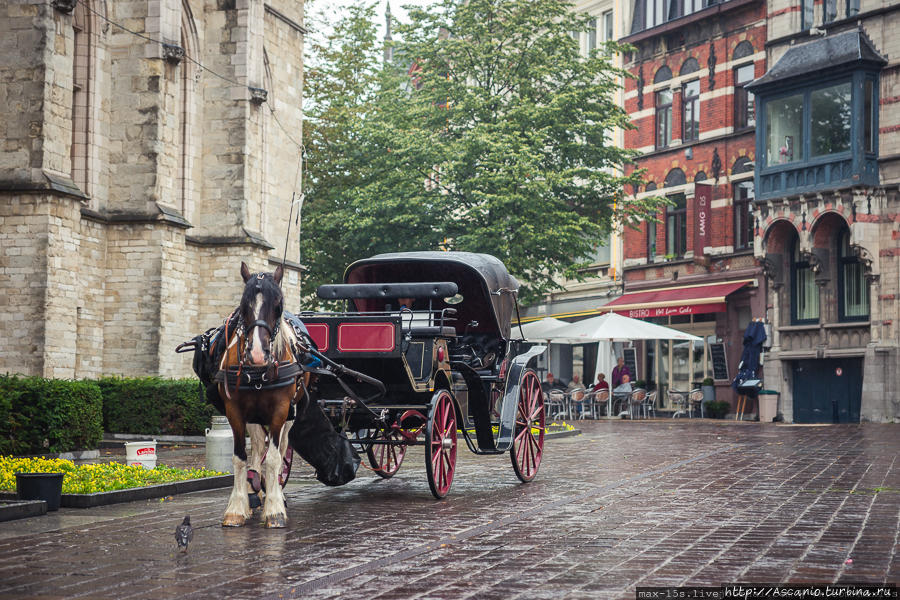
(668, 311)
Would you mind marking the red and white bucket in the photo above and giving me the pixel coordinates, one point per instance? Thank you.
(141, 454)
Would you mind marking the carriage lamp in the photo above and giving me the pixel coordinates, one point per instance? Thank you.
(440, 354)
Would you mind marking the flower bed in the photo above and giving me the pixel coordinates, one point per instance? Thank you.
(93, 478)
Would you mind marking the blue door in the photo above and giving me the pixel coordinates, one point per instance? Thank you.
(827, 390)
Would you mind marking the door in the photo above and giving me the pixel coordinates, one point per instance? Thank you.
(827, 390)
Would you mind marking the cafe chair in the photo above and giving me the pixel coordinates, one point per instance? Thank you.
(638, 395)
(600, 403)
(679, 400)
(649, 404)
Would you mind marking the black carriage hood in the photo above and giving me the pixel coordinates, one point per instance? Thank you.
(488, 290)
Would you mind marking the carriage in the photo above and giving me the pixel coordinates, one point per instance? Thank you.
(428, 336)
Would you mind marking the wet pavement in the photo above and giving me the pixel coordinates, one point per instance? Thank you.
(625, 504)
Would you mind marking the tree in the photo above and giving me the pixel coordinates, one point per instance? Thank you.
(495, 139)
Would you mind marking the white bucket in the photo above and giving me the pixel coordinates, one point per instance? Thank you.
(141, 454)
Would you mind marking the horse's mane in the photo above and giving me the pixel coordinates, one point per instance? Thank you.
(284, 340)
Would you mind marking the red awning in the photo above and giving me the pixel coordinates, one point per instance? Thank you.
(683, 300)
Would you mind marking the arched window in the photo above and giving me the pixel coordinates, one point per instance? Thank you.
(804, 293)
(664, 73)
(700, 176)
(853, 289)
(741, 165)
(651, 187)
(690, 66)
(742, 50)
(675, 177)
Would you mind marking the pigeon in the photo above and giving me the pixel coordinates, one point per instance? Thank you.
(184, 533)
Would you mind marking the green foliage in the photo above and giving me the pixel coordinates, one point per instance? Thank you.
(154, 406)
(708, 381)
(716, 409)
(488, 133)
(48, 415)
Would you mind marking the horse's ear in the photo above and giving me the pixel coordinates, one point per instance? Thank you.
(279, 273)
(245, 271)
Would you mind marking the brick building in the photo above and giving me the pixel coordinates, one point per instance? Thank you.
(694, 269)
(132, 181)
(828, 208)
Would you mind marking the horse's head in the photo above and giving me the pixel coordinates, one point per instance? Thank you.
(261, 308)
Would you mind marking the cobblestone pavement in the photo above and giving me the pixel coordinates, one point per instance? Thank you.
(622, 505)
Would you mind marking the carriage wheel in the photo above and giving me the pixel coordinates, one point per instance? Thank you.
(528, 446)
(387, 458)
(440, 444)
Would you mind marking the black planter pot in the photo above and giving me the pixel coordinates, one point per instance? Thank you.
(40, 486)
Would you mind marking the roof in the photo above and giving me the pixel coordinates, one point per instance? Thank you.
(489, 291)
(828, 53)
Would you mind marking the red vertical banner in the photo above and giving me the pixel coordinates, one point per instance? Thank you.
(703, 216)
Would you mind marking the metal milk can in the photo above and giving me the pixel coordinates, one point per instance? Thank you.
(219, 445)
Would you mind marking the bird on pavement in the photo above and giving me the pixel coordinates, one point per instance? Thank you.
(184, 533)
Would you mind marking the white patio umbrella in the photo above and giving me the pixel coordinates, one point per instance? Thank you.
(615, 327)
(537, 329)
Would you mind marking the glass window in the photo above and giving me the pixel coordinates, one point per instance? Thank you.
(601, 254)
(852, 7)
(806, 14)
(804, 294)
(830, 10)
(869, 115)
(608, 26)
(691, 114)
(676, 227)
(830, 123)
(784, 130)
(743, 221)
(744, 104)
(592, 36)
(651, 241)
(655, 14)
(663, 118)
(853, 287)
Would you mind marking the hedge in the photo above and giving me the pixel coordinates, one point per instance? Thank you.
(154, 406)
(49, 415)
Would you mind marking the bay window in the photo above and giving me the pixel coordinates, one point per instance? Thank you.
(831, 114)
(784, 130)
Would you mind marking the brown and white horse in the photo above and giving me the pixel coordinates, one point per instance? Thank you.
(259, 382)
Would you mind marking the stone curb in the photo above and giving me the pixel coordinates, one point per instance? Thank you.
(141, 493)
(20, 509)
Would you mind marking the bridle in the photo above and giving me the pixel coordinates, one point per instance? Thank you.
(248, 329)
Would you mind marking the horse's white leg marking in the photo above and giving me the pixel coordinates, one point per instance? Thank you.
(274, 513)
(257, 354)
(238, 504)
(257, 445)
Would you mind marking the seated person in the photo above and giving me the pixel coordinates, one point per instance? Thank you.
(601, 384)
(552, 384)
(624, 387)
(575, 384)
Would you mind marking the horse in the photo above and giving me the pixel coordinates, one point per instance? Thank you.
(259, 378)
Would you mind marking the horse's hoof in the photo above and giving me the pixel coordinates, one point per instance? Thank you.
(254, 500)
(276, 521)
(233, 521)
